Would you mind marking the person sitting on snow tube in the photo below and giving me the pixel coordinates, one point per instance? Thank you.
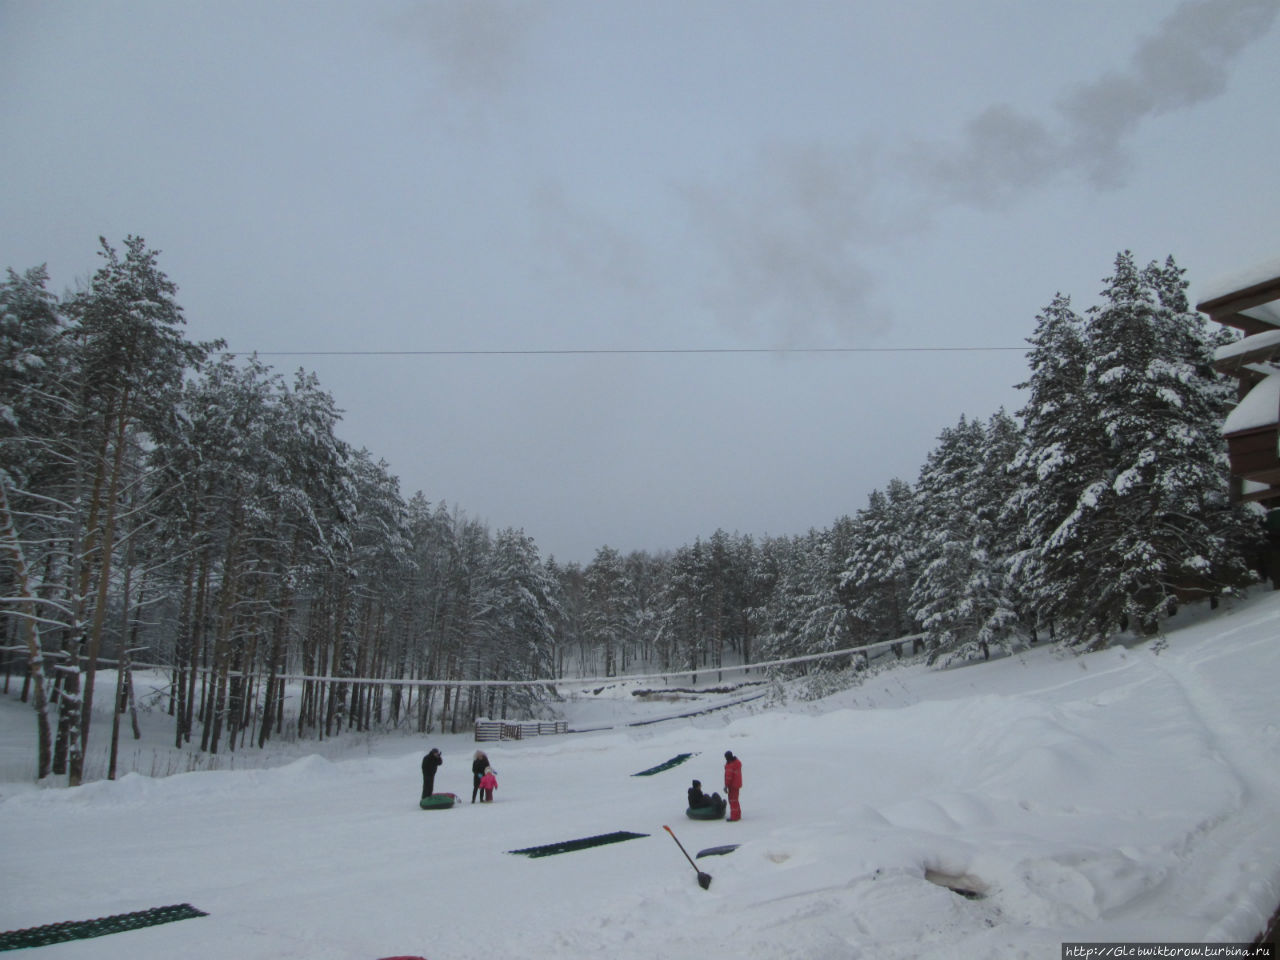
(699, 800)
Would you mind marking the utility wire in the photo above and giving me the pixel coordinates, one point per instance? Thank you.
(607, 351)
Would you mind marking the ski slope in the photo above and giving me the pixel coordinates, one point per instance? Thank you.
(1132, 794)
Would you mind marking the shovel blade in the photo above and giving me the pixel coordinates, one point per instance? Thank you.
(704, 880)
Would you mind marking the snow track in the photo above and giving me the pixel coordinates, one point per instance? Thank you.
(1126, 795)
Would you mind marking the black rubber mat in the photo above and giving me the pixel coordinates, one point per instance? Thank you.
(673, 762)
(85, 929)
(568, 846)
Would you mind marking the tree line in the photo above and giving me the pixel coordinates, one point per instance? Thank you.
(164, 502)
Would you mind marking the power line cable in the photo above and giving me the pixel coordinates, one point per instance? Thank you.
(603, 351)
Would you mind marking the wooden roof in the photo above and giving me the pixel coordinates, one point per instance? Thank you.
(1229, 308)
(1252, 308)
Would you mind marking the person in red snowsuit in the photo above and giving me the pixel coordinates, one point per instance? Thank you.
(488, 784)
(733, 783)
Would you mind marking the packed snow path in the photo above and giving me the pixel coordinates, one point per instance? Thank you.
(1126, 795)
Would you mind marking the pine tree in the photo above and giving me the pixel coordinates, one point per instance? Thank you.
(1056, 458)
(643, 590)
(879, 571)
(34, 409)
(1150, 522)
(132, 357)
(683, 628)
(606, 585)
(524, 607)
(823, 620)
(961, 597)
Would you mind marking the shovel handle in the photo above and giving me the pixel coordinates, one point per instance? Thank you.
(704, 879)
(681, 846)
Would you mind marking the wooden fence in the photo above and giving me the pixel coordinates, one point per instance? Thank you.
(489, 730)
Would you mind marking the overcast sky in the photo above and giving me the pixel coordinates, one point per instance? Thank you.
(587, 175)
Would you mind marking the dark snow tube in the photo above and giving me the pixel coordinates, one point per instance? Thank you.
(705, 813)
(438, 801)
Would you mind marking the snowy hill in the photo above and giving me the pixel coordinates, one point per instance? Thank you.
(1132, 794)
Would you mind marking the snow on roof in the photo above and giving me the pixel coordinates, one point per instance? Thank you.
(1266, 312)
(1242, 279)
(1260, 408)
(1258, 341)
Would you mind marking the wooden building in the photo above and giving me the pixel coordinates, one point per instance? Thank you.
(1251, 304)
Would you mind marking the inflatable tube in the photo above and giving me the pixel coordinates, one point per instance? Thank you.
(705, 813)
(438, 801)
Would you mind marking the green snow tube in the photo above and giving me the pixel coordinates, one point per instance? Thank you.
(705, 813)
(438, 801)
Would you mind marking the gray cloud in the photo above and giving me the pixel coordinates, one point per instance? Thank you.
(1183, 63)
(794, 249)
(786, 260)
(1003, 153)
(477, 47)
(588, 245)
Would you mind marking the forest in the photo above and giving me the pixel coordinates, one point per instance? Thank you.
(163, 502)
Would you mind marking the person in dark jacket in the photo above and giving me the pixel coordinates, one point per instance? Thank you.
(430, 764)
(478, 766)
(733, 783)
(699, 799)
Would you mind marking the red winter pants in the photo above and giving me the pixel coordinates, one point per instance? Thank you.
(735, 811)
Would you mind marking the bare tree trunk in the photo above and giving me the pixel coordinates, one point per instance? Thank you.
(68, 751)
(31, 632)
(186, 718)
(67, 684)
(104, 585)
(222, 644)
(275, 663)
(184, 641)
(133, 703)
(444, 707)
(123, 654)
(115, 723)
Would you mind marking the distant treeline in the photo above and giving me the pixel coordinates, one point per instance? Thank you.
(161, 501)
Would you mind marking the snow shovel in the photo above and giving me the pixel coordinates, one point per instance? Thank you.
(704, 879)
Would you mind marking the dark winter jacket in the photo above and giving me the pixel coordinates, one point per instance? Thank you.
(478, 767)
(699, 799)
(431, 763)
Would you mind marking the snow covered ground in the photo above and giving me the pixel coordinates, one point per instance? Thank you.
(1125, 795)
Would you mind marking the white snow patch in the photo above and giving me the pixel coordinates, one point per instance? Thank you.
(1126, 795)
(1259, 408)
(1242, 279)
(1258, 341)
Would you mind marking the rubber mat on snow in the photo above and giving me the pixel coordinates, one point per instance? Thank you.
(673, 762)
(85, 929)
(568, 846)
